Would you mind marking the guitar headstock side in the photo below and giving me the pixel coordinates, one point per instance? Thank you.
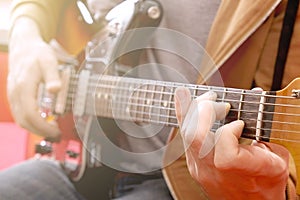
(286, 123)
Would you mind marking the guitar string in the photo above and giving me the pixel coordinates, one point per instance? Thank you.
(266, 138)
(112, 84)
(228, 100)
(142, 119)
(166, 119)
(108, 86)
(222, 100)
(174, 124)
(107, 78)
(253, 136)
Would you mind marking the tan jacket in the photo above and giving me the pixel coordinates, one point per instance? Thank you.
(243, 44)
(244, 39)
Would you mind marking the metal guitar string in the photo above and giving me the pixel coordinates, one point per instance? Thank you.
(108, 85)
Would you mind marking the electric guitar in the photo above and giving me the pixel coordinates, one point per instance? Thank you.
(103, 41)
(95, 92)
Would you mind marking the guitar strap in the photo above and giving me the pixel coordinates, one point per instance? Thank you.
(284, 43)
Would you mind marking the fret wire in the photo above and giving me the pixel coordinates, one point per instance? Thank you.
(160, 100)
(122, 92)
(108, 89)
(103, 100)
(194, 92)
(224, 94)
(135, 91)
(145, 101)
(223, 100)
(240, 104)
(100, 95)
(152, 97)
(170, 103)
(117, 90)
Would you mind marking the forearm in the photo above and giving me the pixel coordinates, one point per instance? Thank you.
(45, 13)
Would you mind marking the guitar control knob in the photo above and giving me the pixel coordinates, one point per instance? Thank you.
(154, 12)
(43, 148)
(72, 154)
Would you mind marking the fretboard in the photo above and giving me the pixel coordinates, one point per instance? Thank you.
(151, 101)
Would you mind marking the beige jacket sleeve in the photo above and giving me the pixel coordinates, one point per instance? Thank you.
(46, 13)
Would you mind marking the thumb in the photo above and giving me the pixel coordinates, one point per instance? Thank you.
(182, 103)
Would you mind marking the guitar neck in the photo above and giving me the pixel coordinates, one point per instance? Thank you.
(151, 101)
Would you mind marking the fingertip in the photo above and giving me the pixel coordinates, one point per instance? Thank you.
(237, 127)
(258, 89)
(53, 86)
(227, 107)
(181, 93)
(239, 123)
(209, 95)
(182, 101)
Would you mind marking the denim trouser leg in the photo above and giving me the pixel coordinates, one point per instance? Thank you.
(155, 189)
(36, 180)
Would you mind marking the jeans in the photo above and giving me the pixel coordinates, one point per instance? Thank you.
(139, 187)
(45, 180)
(36, 180)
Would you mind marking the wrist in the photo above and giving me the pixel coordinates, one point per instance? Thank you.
(26, 29)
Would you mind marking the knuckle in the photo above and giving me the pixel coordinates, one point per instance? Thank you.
(224, 163)
(205, 106)
(203, 179)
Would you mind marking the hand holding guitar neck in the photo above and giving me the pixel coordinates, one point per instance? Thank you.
(218, 160)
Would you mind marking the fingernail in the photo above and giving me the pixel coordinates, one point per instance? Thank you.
(239, 122)
(210, 95)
